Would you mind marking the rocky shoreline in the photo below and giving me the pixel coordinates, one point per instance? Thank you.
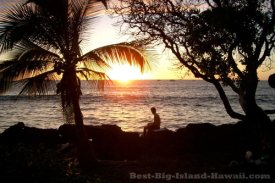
(32, 153)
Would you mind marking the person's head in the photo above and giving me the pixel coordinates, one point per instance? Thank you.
(153, 110)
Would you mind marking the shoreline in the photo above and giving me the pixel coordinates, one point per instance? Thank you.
(196, 148)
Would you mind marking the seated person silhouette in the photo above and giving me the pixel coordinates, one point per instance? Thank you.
(271, 80)
(152, 126)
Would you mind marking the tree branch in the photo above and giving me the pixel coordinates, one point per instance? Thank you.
(232, 61)
(226, 102)
(209, 4)
(270, 111)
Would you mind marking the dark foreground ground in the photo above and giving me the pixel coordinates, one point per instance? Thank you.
(197, 153)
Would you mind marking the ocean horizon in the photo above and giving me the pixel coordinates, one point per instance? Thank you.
(178, 102)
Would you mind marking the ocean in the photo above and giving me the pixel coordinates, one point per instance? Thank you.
(178, 102)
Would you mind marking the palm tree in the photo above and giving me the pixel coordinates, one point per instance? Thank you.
(43, 39)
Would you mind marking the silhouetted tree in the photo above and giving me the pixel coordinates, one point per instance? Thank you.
(43, 39)
(221, 41)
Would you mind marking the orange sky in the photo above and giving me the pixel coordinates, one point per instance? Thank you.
(165, 68)
(106, 33)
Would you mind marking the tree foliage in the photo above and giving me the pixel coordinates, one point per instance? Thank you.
(43, 40)
(220, 41)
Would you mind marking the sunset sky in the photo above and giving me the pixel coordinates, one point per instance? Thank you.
(107, 33)
(164, 68)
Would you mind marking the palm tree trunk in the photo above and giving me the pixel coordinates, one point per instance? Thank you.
(86, 154)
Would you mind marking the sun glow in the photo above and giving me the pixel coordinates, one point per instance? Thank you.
(126, 73)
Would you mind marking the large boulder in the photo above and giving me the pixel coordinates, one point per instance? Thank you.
(21, 133)
(103, 132)
(109, 141)
(158, 143)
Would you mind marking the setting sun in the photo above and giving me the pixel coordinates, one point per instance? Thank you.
(125, 73)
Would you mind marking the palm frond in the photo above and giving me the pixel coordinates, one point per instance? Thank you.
(6, 81)
(21, 69)
(130, 53)
(90, 74)
(39, 84)
(96, 79)
(23, 65)
(76, 24)
(14, 25)
(24, 22)
(54, 8)
(95, 7)
(26, 50)
(84, 14)
(93, 61)
(28, 61)
(39, 55)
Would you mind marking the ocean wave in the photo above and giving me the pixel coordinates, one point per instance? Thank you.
(178, 103)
